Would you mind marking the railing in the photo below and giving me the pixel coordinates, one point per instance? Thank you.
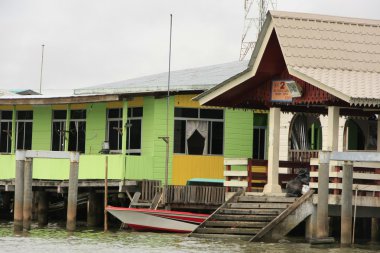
(302, 155)
(254, 177)
(366, 176)
(199, 195)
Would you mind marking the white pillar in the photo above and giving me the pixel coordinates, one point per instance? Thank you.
(272, 185)
(333, 128)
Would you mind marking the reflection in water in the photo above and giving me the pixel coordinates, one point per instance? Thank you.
(54, 238)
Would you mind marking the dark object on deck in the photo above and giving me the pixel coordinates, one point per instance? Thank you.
(294, 186)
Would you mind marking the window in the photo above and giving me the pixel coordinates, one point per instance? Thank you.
(77, 131)
(24, 122)
(115, 130)
(198, 131)
(134, 130)
(5, 131)
(59, 128)
(259, 134)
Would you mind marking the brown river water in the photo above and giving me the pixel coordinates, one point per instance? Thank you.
(55, 239)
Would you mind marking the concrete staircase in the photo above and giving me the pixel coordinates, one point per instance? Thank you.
(250, 216)
(243, 217)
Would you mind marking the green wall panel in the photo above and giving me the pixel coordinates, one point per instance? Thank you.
(7, 166)
(147, 144)
(238, 134)
(95, 127)
(160, 131)
(54, 169)
(93, 166)
(41, 136)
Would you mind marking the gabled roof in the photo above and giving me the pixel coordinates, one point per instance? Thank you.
(336, 54)
(195, 79)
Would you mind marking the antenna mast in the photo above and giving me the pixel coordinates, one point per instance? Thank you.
(254, 14)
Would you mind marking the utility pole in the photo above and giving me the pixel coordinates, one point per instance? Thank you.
(42, 65)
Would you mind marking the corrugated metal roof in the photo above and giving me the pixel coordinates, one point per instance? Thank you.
(341, 53)
(201, 78)
(337, 54)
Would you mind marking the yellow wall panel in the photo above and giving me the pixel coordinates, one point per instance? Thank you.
(185, 101)
(24, 107)
(186, 167)
(78, 106)
(115, 104)
(6, 107)
(136, 102)
(59, 107)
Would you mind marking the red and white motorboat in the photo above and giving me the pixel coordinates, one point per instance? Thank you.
(142, 219)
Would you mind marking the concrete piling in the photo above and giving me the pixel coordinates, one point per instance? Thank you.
(346, 211)
(92, 209)
(19, 191)
(322, 227)
(28, 193)
(43, 207)
(73, 192)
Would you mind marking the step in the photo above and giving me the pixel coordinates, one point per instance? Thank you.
(222, 236)
(271, 199)
(255, 211)
(259, 205)
(249, 217)
(236, 231)
(236, 224)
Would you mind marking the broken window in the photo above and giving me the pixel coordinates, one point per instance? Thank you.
(135, 115)
(77, 131)
(115, 129)
(59, 128)
(5, 131)
(24, 122)
(198, 131)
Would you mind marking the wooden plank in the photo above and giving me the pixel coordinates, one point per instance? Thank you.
(222, 236)
(59, 100)
(236, 224)
(235, 173)
(272, 199)
(235, 161)
(360, 187)
(259, 205)
(235, 183)
(256, 211)
(244, 231)
(248, 217)
(364, 176)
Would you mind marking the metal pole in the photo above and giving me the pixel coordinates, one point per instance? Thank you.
(73, 192)
(106, 195)
(167, 106)
(42, 64)
(28, 193)
(19, 191)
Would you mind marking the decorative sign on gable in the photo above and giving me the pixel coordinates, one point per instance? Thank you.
(285, 91)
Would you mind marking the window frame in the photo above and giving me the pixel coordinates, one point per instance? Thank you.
(208, 120)
(128, 150)
(71, 120)
(260, 128)
(120, 136)
(9, 123)
(24, 121)
(61, 121)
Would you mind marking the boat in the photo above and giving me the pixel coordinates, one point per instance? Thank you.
(143, 219)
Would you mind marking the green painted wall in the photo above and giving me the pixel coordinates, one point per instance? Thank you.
(147, 147)
(7, 166)
(95, 127)
(41, 136)
(160, 131)
(238, 127)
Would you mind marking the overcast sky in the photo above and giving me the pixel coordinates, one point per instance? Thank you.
(90, 42)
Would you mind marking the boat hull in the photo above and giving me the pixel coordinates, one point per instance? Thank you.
(142, 219)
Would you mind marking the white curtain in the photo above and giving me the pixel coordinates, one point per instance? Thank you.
(201, 127)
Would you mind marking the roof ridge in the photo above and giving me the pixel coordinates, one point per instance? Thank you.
(325, 18)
